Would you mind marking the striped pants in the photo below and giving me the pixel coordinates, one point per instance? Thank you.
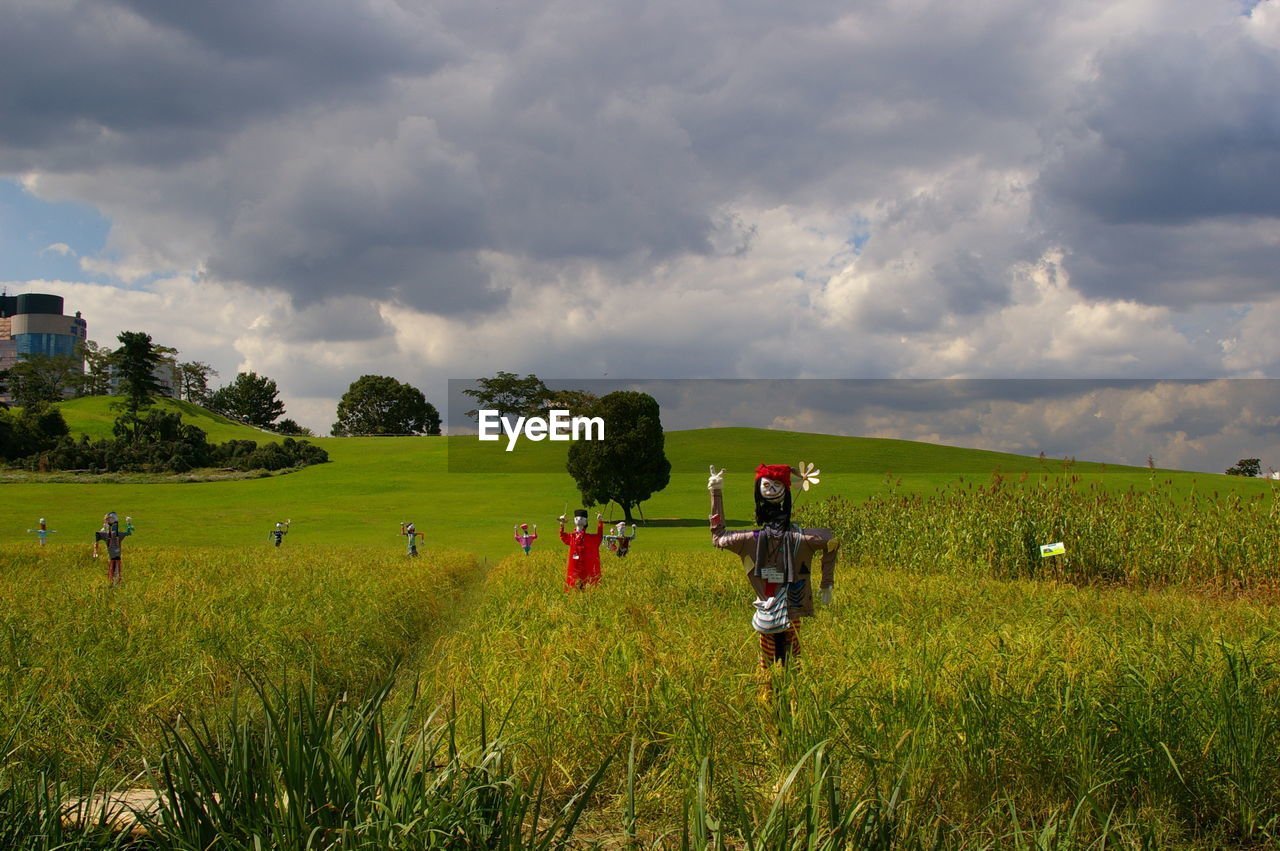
(780, 647)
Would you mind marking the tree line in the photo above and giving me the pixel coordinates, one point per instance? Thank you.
(96, 370)
(142, 440)
(627, 467)
(373, 404)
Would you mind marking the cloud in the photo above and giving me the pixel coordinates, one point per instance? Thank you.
(150, 83)
(896, 188)
(60, 248)
(1164, 176)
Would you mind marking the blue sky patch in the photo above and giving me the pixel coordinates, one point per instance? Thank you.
(30, 226)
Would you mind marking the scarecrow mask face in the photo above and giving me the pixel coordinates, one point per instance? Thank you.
(771, 489)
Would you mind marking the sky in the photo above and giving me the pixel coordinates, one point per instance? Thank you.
(320, 189)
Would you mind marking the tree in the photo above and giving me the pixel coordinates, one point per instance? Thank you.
(43, 378)
(379, 404)
(291, 427)
(193, 381)
(135, 363)
(577, 402)
(1246, 467)
(251, 398)
(629, 465)
(510, 395)
(98, 362)
(38, 428)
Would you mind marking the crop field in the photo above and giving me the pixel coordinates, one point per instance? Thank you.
(959, 692)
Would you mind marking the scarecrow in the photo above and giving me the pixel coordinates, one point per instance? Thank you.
(277, 534)
(584, 551)
(620, 541)
(412, 533)
(778, 557)
(524, 538)
(42, 531)
(111, 535)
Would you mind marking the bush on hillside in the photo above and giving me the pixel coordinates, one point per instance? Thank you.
(35, 428)
(161, 443)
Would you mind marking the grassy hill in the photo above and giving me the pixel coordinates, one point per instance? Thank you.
(94, 416)
(373, 484)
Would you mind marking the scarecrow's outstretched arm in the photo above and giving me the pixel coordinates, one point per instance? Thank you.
(742, 543)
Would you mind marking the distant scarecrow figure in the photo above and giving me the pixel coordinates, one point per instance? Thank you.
(42, 531)
(524, 537)
(620, 542)
(778, 557)
(277, 534)
(111, 535)
(583, 568)
(411, 531)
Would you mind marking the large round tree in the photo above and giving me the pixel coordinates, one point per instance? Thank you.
(630, 464)
(379, 404)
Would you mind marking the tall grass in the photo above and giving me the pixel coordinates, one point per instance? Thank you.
(1138, 538)
(90, 674)
(959, 693)
(293, 770)
(346, 775)
(978, 714)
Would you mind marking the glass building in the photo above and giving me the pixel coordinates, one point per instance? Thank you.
(33, 324)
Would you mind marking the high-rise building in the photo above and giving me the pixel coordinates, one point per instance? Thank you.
(33, 324)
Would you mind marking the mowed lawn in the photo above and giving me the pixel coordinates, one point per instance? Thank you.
(374, 484)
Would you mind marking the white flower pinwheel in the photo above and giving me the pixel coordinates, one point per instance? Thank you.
(808, 475)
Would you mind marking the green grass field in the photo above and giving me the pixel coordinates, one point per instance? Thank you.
(958, 693)
(374, 484)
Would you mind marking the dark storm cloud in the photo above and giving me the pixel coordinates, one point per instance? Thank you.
(336, 321)
(1213, 261)
(1170, 141)
(1174, 158)
(866, 99)
(89, 83)
(620, 134)
(385, 219)
(441, 155)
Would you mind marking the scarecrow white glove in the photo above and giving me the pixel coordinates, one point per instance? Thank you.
(716, 481)
(826, 596)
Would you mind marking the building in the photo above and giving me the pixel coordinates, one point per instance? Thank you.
(33, 324)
